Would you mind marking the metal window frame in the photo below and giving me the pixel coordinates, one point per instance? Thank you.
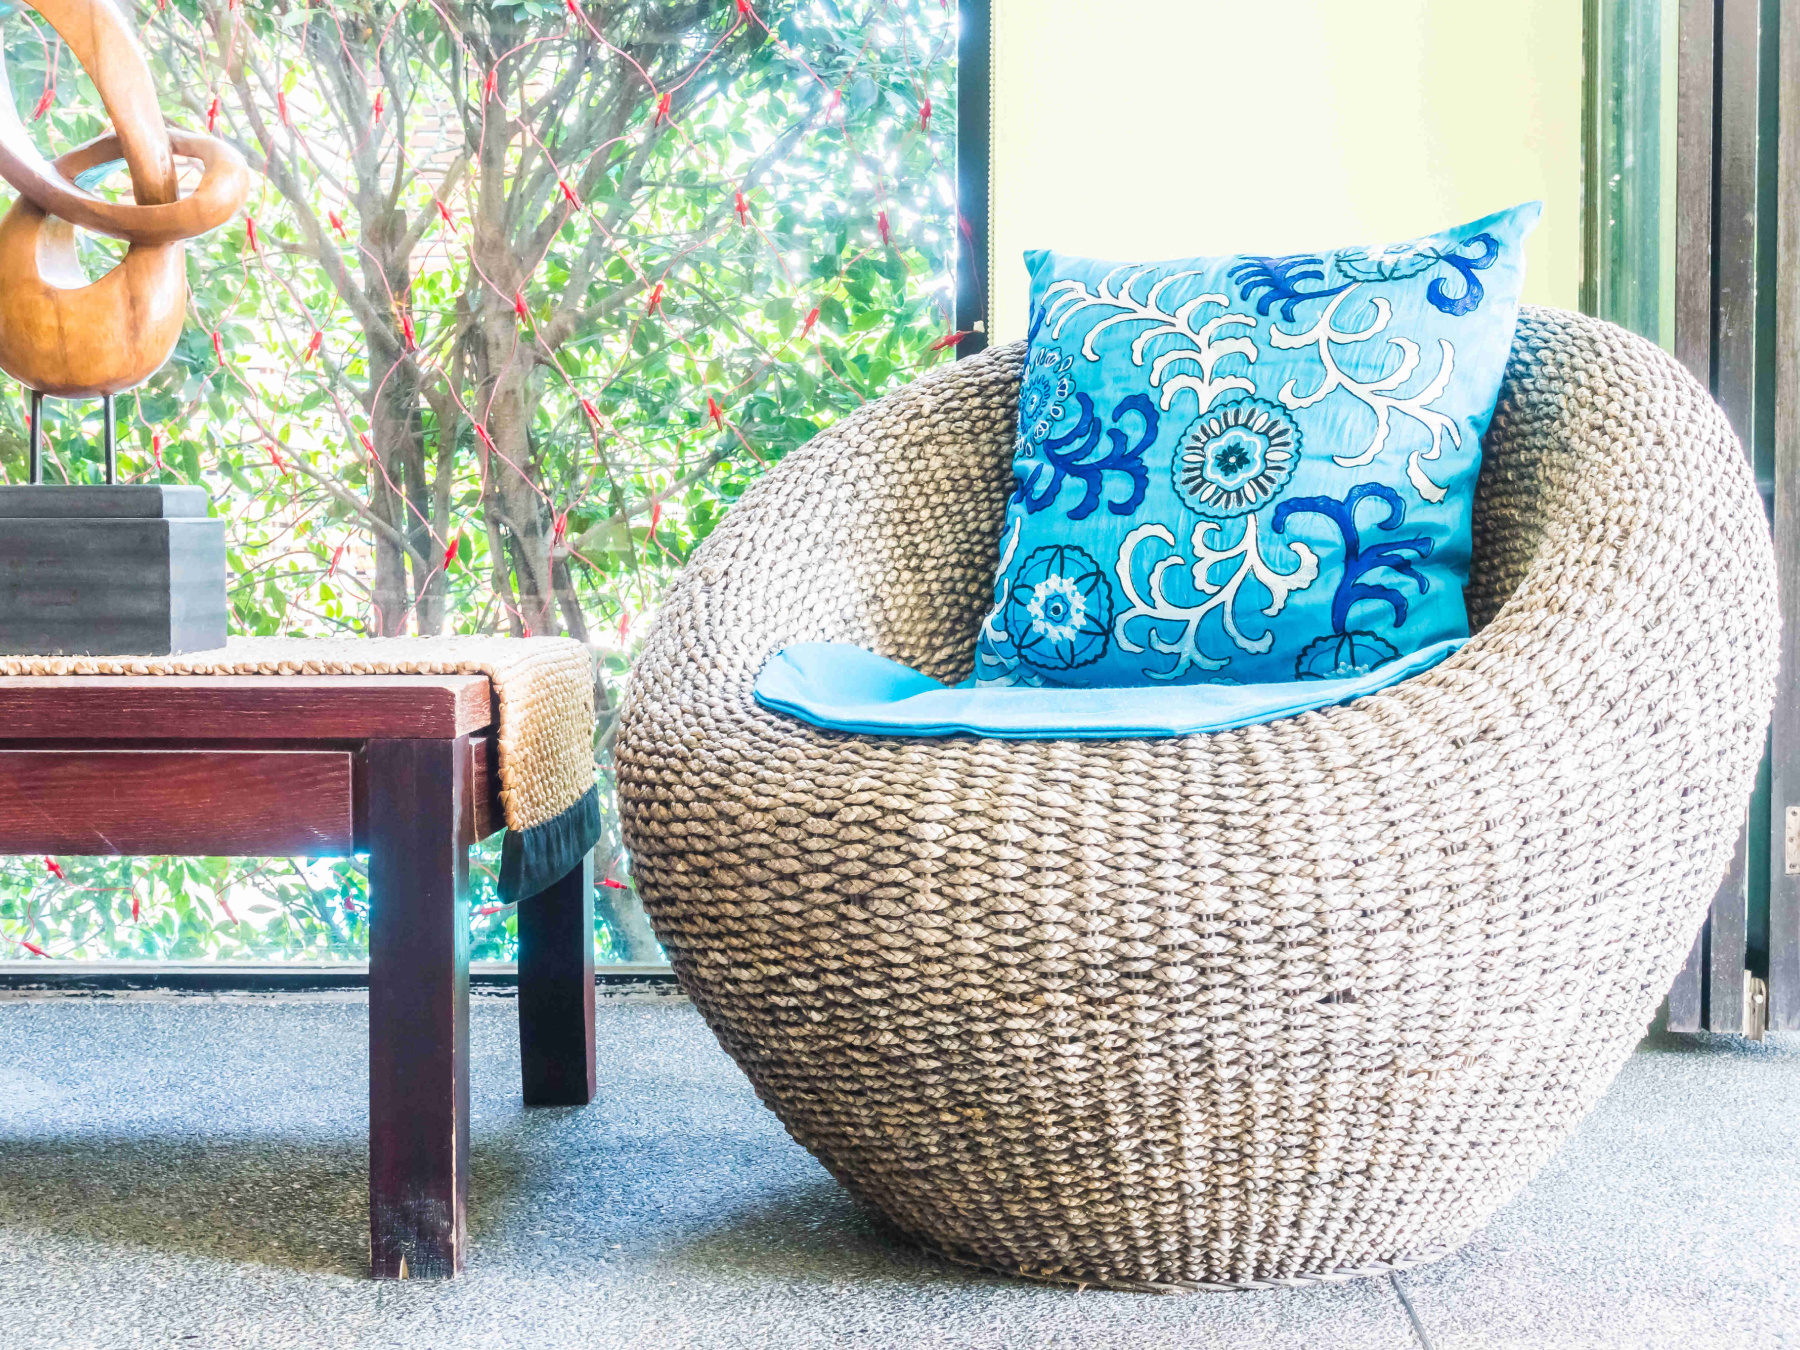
(1783, 974)
(103, 978)
(974, 177)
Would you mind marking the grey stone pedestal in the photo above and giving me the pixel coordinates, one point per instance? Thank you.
(133, 570)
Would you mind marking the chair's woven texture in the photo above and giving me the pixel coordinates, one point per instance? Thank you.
(1294, 1002)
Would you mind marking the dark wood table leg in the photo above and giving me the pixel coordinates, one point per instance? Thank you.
(556, 991)
(421, 820)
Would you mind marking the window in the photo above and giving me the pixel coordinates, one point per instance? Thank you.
(526, 294)
(1631, 155)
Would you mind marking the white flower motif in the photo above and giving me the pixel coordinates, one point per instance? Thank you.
(1057, 609)
(1235, 457)
(1043, 394)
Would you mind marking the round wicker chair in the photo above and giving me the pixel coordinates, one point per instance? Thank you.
(1303, 1001)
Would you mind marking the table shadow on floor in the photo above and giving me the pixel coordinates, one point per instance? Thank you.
(286, 1203)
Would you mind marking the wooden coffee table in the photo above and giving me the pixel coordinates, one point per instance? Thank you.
(400, 766)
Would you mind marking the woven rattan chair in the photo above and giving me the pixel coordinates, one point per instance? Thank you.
(1303, 1001)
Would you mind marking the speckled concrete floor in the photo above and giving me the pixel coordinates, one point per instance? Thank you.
(191, 1172)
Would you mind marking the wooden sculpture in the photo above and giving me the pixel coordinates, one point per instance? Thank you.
(60, 334)
(135, 569)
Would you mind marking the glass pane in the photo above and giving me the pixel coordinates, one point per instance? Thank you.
(524, 297)
(1635, 155)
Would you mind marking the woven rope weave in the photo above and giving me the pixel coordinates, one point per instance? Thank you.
(545, 689)
(1294, 1002)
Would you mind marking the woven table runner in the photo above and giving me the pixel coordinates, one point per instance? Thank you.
(545, 688)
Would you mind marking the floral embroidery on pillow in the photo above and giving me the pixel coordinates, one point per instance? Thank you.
(1061, 609)
(1235, 457)
(1250, 469)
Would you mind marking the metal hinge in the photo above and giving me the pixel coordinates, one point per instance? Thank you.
(1756, 1007)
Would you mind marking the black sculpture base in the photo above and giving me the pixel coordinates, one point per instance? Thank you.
(136, 570)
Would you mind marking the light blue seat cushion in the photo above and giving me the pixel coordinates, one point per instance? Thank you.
(1250, 469)
(844, 688)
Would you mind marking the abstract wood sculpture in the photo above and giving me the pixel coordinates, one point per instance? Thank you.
(60, 334)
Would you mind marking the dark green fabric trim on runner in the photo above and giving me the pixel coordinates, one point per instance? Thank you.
(531, 860)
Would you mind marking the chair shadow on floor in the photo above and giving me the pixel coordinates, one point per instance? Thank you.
(290, 1203)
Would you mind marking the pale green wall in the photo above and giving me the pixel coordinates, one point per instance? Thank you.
(1140, 129)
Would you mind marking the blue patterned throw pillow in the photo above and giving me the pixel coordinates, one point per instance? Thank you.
(1250, 469)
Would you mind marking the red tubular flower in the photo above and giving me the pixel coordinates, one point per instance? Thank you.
(624, 624)
(378, 104)
(714, 411)
(925, 115)
(744, 8)
(336, 554)
(662, 110)
(450, 553)
(614, 885)
(282, 108)
(486, 910)
(337, 223)
(250, 232)
(881, 223)
(560, 527)
(54, 868)
(569, 192)
(312, 347)
(406, 328)
(134, 906)
(493, 82)
(32, 947)
(367, 444)
(444, 211)
(948, 340)
(655, 299)
(156, 448)
(593, 413)
(44, 101)
(487, 440)
(276, 459)
(219, 348)
(812, 317)
(519, 306)
(212, 115)
(743, 210)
